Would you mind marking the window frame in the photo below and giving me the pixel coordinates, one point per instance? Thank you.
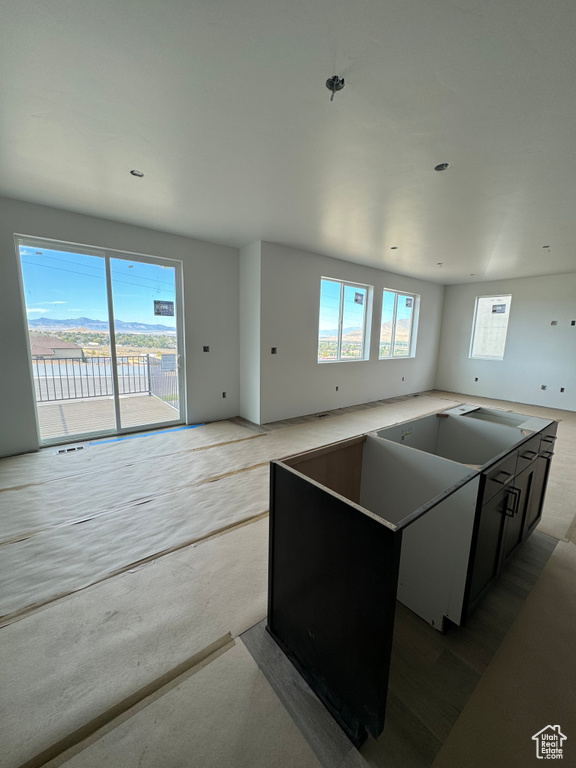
(412, 338)
(366, 330)
(493, 298)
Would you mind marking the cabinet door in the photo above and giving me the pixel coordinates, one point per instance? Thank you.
(487, 550)
(540, 480)
(522, 492)
(536, 501)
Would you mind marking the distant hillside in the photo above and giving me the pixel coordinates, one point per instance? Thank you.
(402, 331)
(48, 323)
(331, 334)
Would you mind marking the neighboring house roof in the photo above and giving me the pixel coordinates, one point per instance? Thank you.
(47, 346)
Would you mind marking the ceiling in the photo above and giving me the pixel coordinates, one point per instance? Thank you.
(223, 105)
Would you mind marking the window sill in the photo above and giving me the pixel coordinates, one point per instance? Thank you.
(492, 359)
(405, 357)
(350, 360)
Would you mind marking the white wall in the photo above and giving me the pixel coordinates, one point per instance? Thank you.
(536, 352)
(292, 382)
(211, 277)
(250, 297)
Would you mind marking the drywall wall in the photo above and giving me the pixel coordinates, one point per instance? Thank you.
(250, 296)
(211, 276)
(537, 353)
(292, 382)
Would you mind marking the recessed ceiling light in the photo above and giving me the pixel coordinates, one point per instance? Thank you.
(137, 173)
(393, 247)
(439, 263)
(441, 166)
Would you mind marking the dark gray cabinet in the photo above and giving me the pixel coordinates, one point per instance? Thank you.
(487, 546)
(327, 563)
(515, 514)
(542, 470)
(536, 500)
(350, 532)
(426, 512)
(510, 501)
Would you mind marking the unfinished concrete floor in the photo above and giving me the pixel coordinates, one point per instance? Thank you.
(143, 663)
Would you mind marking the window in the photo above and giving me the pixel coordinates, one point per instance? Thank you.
(342, 326)
(397, 326)
(490, 327)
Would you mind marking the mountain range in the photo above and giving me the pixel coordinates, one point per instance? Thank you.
(48, 323)
(350, 334)
(333, 332)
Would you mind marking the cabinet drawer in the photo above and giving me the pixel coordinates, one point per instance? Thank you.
(528, 452)
(499, 476)
(548, 436)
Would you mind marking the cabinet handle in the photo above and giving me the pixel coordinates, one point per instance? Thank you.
(525, 455)
(503, 482)
(549, 439)
(547, 454)
(515, 492)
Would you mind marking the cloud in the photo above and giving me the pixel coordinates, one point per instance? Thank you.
(56, 302)
(37, 310)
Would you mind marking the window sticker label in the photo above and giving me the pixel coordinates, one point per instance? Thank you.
(168, 363)
(490, 327)
(358, 298)
(408, 302)
(165, 308)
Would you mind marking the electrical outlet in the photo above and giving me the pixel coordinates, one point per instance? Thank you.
(223, 394)
(205, 349)
(476, 379)
(561, 389)
(544, 386)
(402, 378)
(273, 350)
(554, 322)
(573, 322)
(336, 389)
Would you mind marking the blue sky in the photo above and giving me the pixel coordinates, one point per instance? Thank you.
(330, 306)
(64, 285)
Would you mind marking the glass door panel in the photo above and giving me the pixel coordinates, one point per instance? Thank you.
(87, 381)
(146, 342)
(67, 311)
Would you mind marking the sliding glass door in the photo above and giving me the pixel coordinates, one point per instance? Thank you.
(105, 339)
(145, 341)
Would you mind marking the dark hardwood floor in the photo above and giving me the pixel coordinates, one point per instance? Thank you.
(432, 675)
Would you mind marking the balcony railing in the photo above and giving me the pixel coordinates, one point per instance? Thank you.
(77, 379)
